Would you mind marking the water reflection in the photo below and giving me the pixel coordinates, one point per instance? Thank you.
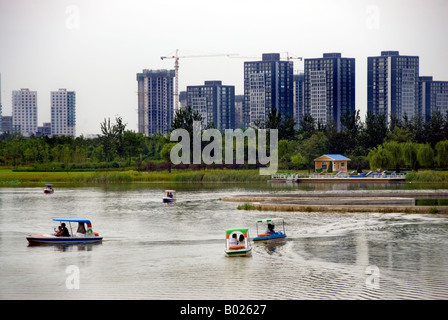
(66, 247)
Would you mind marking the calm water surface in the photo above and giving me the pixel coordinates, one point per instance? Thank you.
(156, 251)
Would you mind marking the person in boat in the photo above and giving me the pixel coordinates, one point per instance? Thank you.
(241, 239)
(270, 228)
(57, 231)
(233, 241)
(81, 228)
(63, 231)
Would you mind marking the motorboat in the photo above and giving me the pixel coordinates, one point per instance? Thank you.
(83, 234)
(48, 188)
(269, 233)
(238, 243)
(170, 196)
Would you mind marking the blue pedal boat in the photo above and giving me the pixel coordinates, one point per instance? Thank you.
(83, 234)
(269, 233)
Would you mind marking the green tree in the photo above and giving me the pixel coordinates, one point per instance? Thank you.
(442, 153)
(410, 155)
(132, 144)
(351, 124)
(273, 120)
(287, 129)
(374, 131)
(433, 129)
(166, 151)
(312, 148)
(307, 126)
(400, 134)
(107, 139)
(396, 153)
(380, 158)
(118, 132)
(183, 119)
(425, 155)
(297, 160)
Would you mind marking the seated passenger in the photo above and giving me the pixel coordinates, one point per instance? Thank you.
(81, 232)
(233, 241)
(270, 228)
(63, 232)
(241, 240)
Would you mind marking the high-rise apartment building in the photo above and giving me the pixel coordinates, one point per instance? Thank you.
(7, 124)
(299, 98)
(63, 113)
(214, 102)
(155, 101)
(392, 85)
(268, 84)
(24, 111)
(329, 88)
(433, 96)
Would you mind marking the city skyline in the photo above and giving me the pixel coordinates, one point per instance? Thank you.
(97, 47)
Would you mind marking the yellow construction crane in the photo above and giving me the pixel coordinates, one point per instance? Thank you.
(176, 70)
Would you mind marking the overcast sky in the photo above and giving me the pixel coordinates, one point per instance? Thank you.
(96, 47)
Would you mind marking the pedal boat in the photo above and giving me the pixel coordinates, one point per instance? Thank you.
(243, 247)
(82, 235)
(270, 236)
(170, 196)
(48, 188)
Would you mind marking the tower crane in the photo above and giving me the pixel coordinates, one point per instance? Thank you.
(176, 70)
(288, 57)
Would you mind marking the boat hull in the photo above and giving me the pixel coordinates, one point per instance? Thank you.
(169, 200)
(43, 239)
(274, 236)
(239, 253)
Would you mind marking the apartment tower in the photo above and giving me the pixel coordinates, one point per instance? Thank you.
(329, 88)
(392, 85)
(155, 101)
(215, 102)
(268, 84)
(24, 111)
(63, 113)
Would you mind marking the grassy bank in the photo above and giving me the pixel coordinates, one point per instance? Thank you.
(9, 177)
(427, 176)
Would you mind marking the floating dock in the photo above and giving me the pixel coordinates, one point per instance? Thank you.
(345, 201)
(341, 177)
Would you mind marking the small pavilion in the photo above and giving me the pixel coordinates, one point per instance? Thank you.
(331, 162)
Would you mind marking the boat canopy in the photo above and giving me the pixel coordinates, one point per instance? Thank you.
(72, 220)
(242, 230)
(270, 220)
(170, 190)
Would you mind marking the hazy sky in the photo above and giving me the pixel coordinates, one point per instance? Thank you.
(96, 47)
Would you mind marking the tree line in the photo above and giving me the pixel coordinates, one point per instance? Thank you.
(370, 144)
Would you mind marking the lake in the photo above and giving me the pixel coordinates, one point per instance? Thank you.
(153, 250)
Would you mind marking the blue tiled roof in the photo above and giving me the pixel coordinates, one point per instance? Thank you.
(337, 157)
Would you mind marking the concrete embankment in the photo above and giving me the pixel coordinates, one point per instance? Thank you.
(389, 201)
